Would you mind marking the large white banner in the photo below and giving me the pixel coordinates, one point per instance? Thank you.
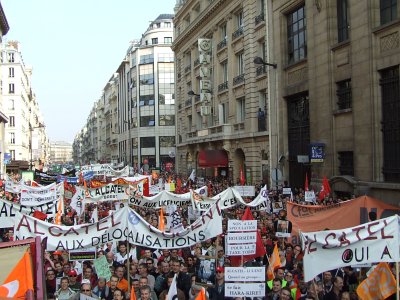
(36, 195)
(376, 241)
(124, 224)
(103, 169)
(165, 198)
(113, 192)
(230, 198)
(8, 211)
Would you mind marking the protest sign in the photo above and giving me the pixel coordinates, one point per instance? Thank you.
(244, 290)
(102, 268)
(376, 241)
(245, 274)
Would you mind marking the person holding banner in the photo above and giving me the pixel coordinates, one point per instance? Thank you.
(336, 292)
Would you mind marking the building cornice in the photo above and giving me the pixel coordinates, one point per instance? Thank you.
(3, 22)
(198, 23)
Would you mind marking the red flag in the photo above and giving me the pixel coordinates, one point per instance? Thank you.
(260, 249)
(146, 190)
(39, 215)
(306, 183)
(325, 189)
(242, 179)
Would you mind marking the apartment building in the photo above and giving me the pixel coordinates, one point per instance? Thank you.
(25, 133)
(232, 135)
(4, 27)
(338, 94)
(60, 152)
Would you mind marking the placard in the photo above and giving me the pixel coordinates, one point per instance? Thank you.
(309, 196)
(241, 237)
(102, 268)
(241, 249)
(287, 191)
(245, 289)
(245, 190)
(238, 225)
(84, 254)
(245, 274)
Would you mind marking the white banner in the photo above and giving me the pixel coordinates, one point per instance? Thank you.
(165, 198)
(241, 237)
(11, 186)
(240, 249)
(244, 290)
(103, 169)
(124, 224)
(230, 198)
(32, 196)
(77, 200)
(376, 241)
(8, 210)
(245, 274)
(113, 192)
(246, 190)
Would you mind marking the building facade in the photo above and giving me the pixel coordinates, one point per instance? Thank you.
(338, 98)
(233, 135)
(25, 134)
(60, 152)
(146, 99)
(4, 27)
(133, 122)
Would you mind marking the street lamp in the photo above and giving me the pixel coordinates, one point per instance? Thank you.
(259, 61)
(31, 128)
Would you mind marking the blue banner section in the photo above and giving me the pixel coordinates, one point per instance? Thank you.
(74, 179)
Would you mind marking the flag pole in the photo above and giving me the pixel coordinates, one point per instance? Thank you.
(397, 280)
(127, 267)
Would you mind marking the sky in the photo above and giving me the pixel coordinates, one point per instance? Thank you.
(74, 47)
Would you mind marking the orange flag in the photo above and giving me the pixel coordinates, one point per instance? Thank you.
(59, 211)
(306, 183)
(20, 280)
(133, 294)
(380, 284)
(161, 224)
(201, 295)
(274, 262)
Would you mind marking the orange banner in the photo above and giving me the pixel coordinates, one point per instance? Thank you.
(380, 284)
(308, 218)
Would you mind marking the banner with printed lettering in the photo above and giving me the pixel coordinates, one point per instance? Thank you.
(32, 196)
(341, 215)
(103, 169)
(124, 224)
(12, 186)
(165, 198)
(114, 192)
(77, 200)
(376, 241)
(230, 198)
(8, 210)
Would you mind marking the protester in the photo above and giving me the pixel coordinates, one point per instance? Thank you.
(65, 292)
(101, 290)
(180, 294)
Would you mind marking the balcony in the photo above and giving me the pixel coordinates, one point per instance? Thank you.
(196, 62)
(238, 79)
(261, 70)
(222, 87)
(188, 102)
(222, 44)
(237, 33)
(260, 18)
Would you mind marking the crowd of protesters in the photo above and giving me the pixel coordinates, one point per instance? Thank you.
(149, 272)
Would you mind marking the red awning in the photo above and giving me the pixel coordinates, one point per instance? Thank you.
(213, 158)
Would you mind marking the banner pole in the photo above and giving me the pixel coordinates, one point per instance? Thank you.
(397, 280)
(127, 267)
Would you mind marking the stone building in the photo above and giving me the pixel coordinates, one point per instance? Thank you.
(338, 97)
(231, 135)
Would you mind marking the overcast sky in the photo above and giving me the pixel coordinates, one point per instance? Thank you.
(74, 46)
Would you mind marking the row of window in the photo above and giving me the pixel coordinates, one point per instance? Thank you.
(154, 41)
(150, 141)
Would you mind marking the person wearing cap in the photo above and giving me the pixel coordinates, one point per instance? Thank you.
(73, 283)
(217, 292)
